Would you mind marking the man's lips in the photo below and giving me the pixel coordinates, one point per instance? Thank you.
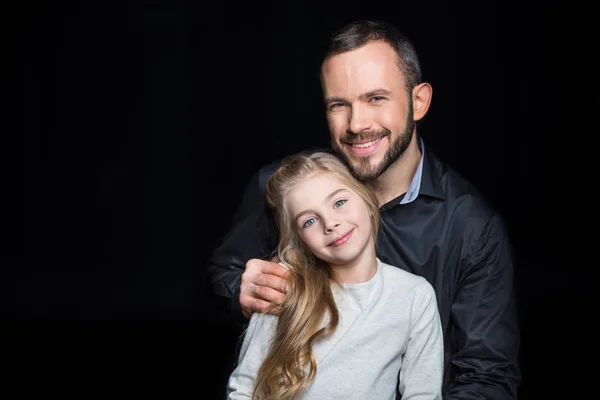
(342, 239)
(365, 143)
(365, 148)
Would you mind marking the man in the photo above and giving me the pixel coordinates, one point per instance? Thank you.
(434, 223)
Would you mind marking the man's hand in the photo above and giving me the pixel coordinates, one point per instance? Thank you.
(263, 283)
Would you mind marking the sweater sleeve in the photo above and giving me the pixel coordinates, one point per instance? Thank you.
(422, 368)
(254, 349)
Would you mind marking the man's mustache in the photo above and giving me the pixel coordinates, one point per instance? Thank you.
(363, 137)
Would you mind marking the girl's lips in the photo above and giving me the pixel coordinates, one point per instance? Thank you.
(342, 239)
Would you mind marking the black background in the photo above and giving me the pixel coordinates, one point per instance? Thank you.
(144, 121)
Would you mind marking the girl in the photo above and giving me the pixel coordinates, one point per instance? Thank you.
(351, 326)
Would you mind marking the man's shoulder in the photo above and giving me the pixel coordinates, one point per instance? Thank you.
(466, 201)
(459, 189)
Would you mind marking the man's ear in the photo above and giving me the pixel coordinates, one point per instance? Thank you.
(421, 95)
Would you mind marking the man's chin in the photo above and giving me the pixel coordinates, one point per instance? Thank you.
(365, 172)
(359, 165)
(366, 176)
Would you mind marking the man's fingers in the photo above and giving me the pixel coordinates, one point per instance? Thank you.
(272, 281)
(250, 305)
(255, 266)
(263, 283)
(268, 294)
(252, 291)
(275, 269)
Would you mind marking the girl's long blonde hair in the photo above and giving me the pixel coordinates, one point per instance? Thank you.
(290, 366)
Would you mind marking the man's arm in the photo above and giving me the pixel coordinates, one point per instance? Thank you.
(253, 234)
(486, 340)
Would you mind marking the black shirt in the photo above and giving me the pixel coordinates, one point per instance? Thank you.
(446, 233)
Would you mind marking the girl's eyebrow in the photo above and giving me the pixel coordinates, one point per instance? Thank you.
(327, 199)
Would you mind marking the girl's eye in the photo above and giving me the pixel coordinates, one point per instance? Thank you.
(338, 203)
(309, 222)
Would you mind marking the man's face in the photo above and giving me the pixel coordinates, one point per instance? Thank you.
(369, 112)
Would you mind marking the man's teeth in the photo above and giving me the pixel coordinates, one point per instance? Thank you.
(363, 145)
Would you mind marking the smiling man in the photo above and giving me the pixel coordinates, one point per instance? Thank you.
(371, 115)
(434, 223)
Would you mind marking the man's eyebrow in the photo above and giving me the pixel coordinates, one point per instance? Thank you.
(328, 198)
(335, 100)
(372, 93)
(376, 92)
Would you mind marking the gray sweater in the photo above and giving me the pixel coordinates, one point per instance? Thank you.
(389, 339)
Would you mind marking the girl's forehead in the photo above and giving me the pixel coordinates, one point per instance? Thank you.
(320, 182)
(315, 190)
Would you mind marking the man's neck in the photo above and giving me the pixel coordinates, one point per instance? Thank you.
(397, 178)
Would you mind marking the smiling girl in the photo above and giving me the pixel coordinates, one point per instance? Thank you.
(351, 326)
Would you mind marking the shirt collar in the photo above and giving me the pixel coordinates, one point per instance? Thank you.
(425, 180)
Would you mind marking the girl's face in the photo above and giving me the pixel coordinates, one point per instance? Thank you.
(331, 219)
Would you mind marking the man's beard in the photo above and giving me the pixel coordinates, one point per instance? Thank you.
(364, 171)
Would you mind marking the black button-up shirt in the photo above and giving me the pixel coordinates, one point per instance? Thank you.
(441, 229)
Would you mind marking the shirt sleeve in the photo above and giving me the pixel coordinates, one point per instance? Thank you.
(486, 335)
(422, 368)
(253, 351)
(252, 234)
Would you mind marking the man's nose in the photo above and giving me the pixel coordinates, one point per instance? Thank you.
(360, 120)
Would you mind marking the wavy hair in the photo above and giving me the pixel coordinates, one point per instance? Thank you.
(290, 366)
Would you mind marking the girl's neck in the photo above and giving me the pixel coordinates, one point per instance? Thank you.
(361, 269)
